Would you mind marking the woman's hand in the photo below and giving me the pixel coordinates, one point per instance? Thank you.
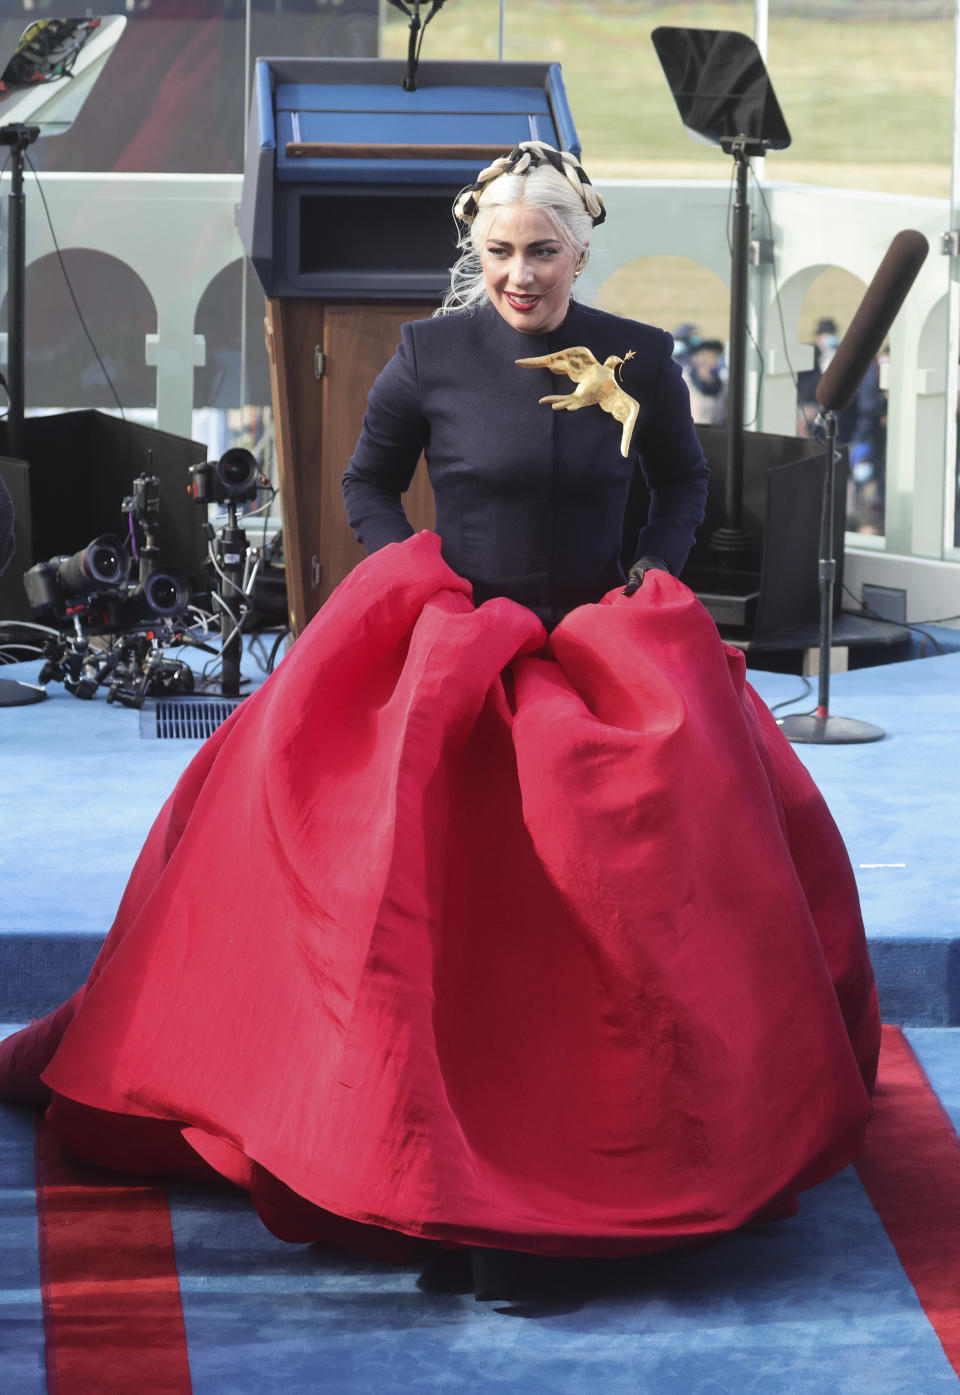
(638, 571)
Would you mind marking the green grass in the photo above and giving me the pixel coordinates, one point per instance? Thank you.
(873, 93)
(868, 102)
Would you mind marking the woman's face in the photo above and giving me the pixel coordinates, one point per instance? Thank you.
(528, 270)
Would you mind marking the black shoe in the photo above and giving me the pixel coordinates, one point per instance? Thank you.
(511, 1276)
(447, 1271)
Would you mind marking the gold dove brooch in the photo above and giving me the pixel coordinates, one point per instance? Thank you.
(596, 386)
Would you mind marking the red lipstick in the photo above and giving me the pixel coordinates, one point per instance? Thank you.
(522, 305)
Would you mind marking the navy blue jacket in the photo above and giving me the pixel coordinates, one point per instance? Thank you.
(530, 502)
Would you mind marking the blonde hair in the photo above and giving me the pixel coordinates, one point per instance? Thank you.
(538, 186)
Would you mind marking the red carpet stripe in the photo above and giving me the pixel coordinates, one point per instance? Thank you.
(911, 1171)
(111, 1299)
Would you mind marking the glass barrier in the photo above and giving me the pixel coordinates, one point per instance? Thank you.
(866, 88)
(171, 100)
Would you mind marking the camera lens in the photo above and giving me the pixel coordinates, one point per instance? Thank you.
(164, 593)
(101, 565)
(238, 472)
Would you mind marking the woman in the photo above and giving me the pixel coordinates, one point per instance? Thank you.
(530, 504)
(543, 943)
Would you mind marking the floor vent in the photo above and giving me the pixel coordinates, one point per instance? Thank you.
(189, 719)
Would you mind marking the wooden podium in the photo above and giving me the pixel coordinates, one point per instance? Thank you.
(318, 408)
(346, 217)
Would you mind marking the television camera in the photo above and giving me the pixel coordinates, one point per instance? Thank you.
(115, 609)
(234, 479)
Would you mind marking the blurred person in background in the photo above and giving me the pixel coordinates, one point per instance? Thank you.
(868, 453)
(705, 374)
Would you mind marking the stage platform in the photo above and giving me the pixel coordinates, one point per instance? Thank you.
(837, 1298)
(81, 786)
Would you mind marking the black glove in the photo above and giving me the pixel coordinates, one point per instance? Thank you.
(638, 571)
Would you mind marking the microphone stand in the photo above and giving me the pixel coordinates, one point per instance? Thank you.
(821, 728)
(13, 693)
(413, 55)
(415, 39)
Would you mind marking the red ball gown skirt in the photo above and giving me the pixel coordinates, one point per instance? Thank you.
(459, 932)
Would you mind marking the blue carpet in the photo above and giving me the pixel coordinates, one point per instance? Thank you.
(81, 789)
(816, 1304)
(894, 800)
(897, 804)
(938, 1051)
(22, 1369)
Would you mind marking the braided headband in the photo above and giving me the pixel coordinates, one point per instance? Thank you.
(527, 156)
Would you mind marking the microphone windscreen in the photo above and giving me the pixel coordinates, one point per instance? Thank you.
(875, 314)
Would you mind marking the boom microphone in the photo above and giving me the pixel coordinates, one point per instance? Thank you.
(875, 314)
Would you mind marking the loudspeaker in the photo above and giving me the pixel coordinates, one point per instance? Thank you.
(79, 468)
(778, 589)
(13, 602)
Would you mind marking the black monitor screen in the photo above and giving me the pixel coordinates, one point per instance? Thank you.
(720, 86)
(382, 231)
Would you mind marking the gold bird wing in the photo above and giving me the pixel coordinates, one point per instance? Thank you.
(625, 409)
(577, 362)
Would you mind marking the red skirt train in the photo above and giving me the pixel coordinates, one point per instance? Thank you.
(460, 932)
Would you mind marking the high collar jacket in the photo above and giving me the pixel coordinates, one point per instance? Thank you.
(530, 501)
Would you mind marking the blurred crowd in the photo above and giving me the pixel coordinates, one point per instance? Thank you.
(862, 427)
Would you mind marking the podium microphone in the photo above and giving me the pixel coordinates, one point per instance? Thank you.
(869, 326)
(859, 346)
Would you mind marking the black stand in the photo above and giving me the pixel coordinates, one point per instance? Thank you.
(731, 543)
(14, 694)
(18, 138)
(820, 728)
(413, 51)
(415, 40)
(232, 551)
